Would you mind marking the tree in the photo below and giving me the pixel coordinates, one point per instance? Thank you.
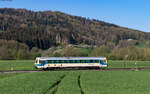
(101, 51)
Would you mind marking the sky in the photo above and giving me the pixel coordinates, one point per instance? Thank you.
(133, 14)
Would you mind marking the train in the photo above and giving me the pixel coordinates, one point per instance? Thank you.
(70, 62)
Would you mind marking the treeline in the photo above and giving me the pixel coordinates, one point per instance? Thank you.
(129, 53)
(46, 29)
(14, 50)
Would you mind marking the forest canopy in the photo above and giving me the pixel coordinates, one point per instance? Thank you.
(47, 29)
(26, 34)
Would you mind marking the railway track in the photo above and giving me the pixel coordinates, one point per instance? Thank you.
(108, 69)
(19, 71)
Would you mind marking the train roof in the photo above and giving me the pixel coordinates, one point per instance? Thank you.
(69, 58)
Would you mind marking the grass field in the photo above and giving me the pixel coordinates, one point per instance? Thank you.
(77, 82)
(7, 75)
(29, 64)
(129, 64)
(16, 65)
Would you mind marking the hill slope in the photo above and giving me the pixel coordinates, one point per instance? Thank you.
(47, 28)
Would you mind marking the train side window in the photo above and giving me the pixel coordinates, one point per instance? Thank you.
(49, 61)
(96, 61)
(72, 61)
(86, 61)
(75, 61)
(60, 61)
(83, 61)
(65, 61)
(91, 61)
(80, 61)
(52, 61)
(55, 61)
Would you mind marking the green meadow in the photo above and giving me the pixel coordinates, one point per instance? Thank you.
(16, 65)
(6, 65)
(76, 82)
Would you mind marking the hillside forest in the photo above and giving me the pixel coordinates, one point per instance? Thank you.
(25, 34)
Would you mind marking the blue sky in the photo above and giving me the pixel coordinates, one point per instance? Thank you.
(127, 13)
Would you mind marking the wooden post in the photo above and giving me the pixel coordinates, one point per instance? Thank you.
(136, 65)
(125, 63)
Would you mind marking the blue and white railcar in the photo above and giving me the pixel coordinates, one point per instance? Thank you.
(69, 62)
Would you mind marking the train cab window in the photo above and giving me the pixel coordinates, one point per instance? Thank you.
(41, 61)
(100, 61)
(103, 61)
(36, 61)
